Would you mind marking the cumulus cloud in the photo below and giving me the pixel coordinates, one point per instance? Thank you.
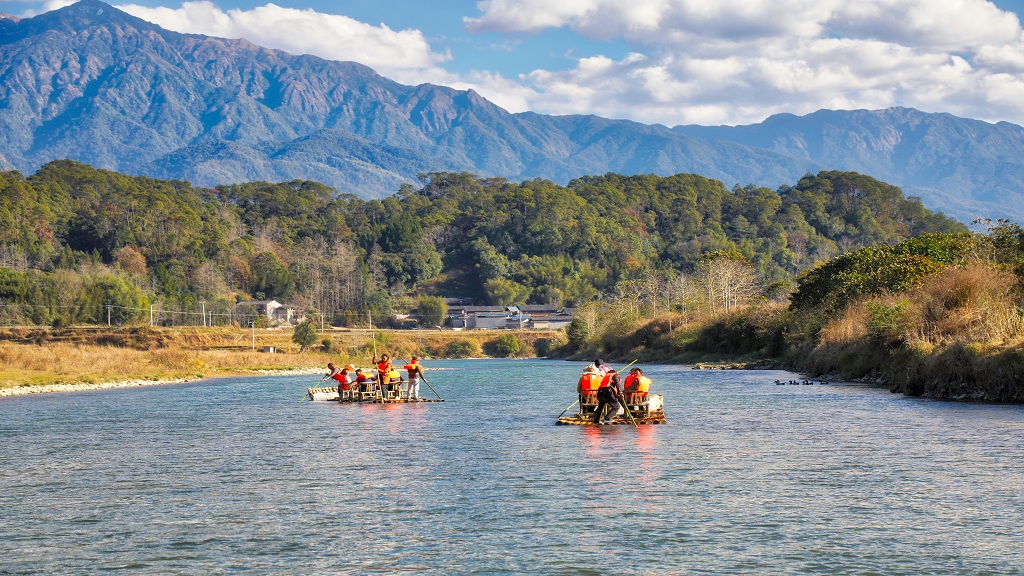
(738, 61)
(404, 55)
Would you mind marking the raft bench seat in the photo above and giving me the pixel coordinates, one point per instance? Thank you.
(637, 402)
(589, 403)
(372, 393)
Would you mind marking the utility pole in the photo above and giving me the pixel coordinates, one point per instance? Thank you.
(204, 314)
(108, 315)
(253, 324)
(150, 314)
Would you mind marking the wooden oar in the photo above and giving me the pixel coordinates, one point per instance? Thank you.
(567, 408)
(628, 365)
(431, 388)
(306, 395)
(626, 408)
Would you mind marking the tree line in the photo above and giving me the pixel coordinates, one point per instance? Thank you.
(74, 239)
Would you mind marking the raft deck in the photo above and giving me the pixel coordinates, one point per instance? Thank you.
(330, 394)
(649, 409)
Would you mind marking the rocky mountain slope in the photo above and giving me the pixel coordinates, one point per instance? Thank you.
(92, 83)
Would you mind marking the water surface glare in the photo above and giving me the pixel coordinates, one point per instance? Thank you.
(238, 475)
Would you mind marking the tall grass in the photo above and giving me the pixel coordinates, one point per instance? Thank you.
(959, 335)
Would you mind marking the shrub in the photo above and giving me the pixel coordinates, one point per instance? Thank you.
(462, 349)
(326, 345)
(507, 346)
(888, 323)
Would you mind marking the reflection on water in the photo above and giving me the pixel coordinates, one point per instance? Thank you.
(747, 477)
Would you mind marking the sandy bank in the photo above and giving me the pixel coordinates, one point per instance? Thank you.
(52, 388)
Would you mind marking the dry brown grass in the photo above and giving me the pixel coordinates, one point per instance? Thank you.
(850, 326)
(31, 357)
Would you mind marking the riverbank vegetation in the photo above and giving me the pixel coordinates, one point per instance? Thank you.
(81, 245)
(941, 315)
(837, 274)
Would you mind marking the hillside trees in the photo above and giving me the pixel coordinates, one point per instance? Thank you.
(504, 242)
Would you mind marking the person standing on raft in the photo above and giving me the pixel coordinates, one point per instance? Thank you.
(608, 397)
(384, 369)
(415, 371)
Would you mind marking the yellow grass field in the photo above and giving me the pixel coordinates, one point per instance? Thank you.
(38, 356)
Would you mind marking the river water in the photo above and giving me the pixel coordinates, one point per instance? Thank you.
(237, 475)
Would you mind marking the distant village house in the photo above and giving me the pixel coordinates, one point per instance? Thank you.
(273, 311)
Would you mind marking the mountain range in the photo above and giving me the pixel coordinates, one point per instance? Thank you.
(95, 84)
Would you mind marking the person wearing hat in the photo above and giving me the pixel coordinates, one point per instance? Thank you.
(589, 383)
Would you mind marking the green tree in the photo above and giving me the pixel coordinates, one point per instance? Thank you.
(502, 292)
(271, 276)
(432, 309)
(304, 335)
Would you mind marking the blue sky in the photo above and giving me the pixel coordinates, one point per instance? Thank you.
(653, 61)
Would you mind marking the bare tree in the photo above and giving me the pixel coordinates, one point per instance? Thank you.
(727, 282)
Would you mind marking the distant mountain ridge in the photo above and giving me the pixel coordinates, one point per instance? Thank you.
(92, 83)
(966, 167)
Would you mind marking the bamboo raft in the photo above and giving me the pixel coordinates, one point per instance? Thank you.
(330, 394)
(648, 409)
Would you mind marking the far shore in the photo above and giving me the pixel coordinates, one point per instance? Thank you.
(43, 360)
(81, 386)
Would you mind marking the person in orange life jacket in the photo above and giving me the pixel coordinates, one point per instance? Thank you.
(384, 369)
(364, 380)
(636, 382)
(415, 371)
(608, 397)
(589, 381)
(340, 376)
(332, 373)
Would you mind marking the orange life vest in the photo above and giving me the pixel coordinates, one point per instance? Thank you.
(589, 382)
(643, 383)
(382, 369)
(606, 381)
(411, 368)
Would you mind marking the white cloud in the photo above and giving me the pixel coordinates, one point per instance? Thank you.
(689, 61)
(738, 61)
(403, 55)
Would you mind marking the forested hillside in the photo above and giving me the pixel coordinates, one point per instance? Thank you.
(74, 239)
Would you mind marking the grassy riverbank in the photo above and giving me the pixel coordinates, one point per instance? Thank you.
(958, 334)
(32, 357)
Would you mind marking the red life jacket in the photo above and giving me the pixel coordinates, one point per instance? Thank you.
(606, 381)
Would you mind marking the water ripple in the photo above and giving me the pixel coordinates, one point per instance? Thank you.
(747, 478)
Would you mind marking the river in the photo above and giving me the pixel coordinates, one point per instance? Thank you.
(237, 475)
